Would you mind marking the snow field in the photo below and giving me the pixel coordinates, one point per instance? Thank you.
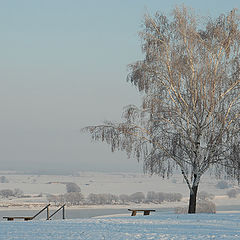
(158, 226)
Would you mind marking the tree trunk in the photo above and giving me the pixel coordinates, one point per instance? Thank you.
(193, 200)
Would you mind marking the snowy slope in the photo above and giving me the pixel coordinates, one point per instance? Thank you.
(155, 227)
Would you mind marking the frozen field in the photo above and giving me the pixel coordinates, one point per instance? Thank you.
(114, 183)
(157, 226)
(95, 182)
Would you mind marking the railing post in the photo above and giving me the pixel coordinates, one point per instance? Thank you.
(48, 213)
(63, 211)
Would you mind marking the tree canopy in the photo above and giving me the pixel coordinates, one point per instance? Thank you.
(190, 82)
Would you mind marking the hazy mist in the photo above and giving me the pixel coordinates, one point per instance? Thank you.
(63, 66)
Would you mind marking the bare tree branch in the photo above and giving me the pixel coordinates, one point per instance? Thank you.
(189, 117)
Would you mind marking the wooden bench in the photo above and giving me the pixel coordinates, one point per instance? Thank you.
(145, 211)
(12, 218)
(29, 218)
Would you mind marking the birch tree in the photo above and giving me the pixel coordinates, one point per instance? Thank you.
(189, 79)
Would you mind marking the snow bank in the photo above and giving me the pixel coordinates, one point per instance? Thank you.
(156, 226)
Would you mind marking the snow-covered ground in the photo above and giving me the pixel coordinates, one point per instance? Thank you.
(158, 226)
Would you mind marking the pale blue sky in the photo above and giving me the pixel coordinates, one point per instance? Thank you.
(63, 65)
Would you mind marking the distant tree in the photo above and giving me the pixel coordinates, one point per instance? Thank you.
(18, 192)
(112, 199)
(73, 198)
(124, 198)
(189, 117)
(232, 193)
(155, 197)
(151, 196)
(102, 198)
(160, 197)
(3, 179)
(137, 197)
(72, 187)
(172, 197)
(222, 185)
(6, 193)
(92, 198)
(52, 198)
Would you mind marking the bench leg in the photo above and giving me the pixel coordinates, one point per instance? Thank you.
(134, 213)
(146, 213)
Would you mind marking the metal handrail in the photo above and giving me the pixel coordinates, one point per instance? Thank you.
(62, 207)
(42, 211)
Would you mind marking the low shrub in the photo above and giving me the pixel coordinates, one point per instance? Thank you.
(206, 207)
(232, 193)
(222, 185)
(205, 196)
(202, 207)
(181, 210)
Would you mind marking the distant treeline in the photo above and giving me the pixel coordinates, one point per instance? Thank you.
(6, 193)
(77, 198)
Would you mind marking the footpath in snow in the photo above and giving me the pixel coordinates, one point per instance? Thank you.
(157, 226)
